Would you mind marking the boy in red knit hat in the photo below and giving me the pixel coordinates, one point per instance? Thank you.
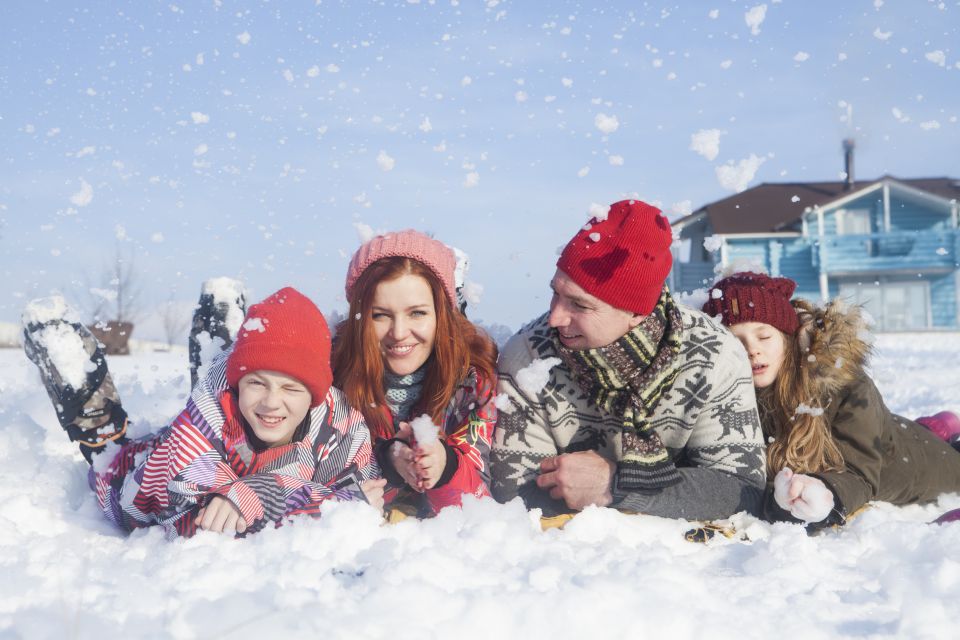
(648, 406)
(263, 437)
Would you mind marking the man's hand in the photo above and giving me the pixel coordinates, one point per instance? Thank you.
(579, 479)
(221, 516)
(431, 461)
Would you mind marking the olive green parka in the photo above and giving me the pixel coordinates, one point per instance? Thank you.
(886, 457)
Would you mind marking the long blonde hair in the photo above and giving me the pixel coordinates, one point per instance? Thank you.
(802, 440)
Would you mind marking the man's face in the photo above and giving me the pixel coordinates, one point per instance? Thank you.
(583, 321)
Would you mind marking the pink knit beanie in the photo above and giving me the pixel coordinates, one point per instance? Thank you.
(433, 254)
(624, 259)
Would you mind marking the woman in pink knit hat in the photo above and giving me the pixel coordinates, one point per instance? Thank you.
(422, 374)
(833, 444)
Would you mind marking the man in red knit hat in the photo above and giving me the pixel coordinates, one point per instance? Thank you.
(648, 406)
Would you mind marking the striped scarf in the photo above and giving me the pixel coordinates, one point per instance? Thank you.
(403, 392)
(627, 378)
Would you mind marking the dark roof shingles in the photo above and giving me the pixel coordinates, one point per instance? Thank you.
(771, 207)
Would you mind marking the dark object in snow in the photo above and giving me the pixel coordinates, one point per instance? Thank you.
(91, 414)
(114, 336)
(210, 317)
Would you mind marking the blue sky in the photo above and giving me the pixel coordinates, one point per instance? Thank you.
(247, 138)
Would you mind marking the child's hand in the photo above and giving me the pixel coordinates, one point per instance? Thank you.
(221, 516)
(373, 492)
(431, 460)
(805, 497)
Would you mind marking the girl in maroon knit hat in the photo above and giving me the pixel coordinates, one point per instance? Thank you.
(833, 445)
(264, 435)
(422, 374)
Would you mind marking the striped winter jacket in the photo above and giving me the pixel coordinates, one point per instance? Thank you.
(165, 478)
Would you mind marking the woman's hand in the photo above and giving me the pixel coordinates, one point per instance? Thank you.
(373, 492)
(805, 497)
(221, 516)
(431, 460)
(404, 462)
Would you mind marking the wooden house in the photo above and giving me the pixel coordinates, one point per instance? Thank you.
(890, 244)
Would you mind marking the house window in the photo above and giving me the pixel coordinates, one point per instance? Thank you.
(851, 222)
(894, 305)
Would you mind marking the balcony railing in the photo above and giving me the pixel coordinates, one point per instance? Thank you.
(904, 250)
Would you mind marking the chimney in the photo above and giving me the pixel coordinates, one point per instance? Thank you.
(848, 147)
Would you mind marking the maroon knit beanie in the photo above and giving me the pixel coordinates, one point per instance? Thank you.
(754, 297)
(285, 333)
(408, 243)
(623, 260)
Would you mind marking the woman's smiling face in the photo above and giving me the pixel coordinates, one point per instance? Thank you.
(405, 321)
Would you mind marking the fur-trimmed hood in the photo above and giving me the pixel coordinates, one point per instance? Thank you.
(834, 342)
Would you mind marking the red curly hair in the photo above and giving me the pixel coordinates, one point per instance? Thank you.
(358, 364)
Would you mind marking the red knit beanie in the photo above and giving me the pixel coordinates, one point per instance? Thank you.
(754, 297)
(623, 260)
(285, 333)
(433, 254)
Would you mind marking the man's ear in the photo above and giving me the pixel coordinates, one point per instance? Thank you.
(636, 319)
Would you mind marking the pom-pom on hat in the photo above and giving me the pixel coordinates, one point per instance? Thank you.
(435, 255)
(754, 297)
(285, 333)
(624, 259)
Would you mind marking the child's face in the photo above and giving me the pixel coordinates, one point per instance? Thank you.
(765, 347)
(274, 405)
(405, 322)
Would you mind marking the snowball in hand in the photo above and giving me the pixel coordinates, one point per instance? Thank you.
(814, 500)
(533, 377)
(424, 430)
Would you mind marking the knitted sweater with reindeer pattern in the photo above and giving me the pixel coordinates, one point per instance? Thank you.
(707, 420)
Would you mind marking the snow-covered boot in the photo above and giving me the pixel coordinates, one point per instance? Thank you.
(74, 372)
(945, 425)
(216, 321)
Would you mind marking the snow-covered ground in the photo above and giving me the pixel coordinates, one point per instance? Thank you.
(486, 571)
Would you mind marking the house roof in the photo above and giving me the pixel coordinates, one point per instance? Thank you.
(770, 207)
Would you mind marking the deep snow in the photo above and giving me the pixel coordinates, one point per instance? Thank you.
(485, 571)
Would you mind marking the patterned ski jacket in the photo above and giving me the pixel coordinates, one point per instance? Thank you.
(165, 478)
(886, 457)
(468, 429)
(707, 420)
